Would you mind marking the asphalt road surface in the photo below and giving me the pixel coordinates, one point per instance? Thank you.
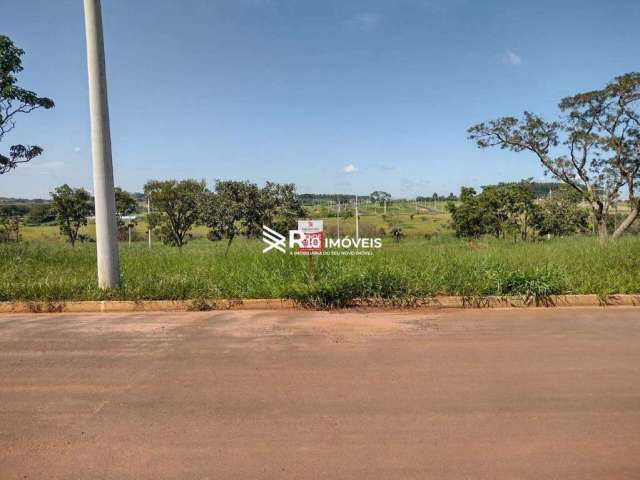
(491, 394)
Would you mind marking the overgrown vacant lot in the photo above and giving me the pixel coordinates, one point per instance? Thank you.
(398, 272)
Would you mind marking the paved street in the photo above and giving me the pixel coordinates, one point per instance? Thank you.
(500, 394)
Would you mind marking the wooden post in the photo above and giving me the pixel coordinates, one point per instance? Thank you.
(310, 266)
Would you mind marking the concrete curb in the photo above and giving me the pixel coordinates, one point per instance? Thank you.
(281, 304)
(143, 306)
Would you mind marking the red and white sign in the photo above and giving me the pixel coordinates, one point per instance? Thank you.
(313, 240)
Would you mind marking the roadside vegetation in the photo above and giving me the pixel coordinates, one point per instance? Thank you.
(401, 273)
(524, 240)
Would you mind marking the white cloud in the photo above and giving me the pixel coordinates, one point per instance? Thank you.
(351, 168)
(77, 149)
(366, 21)
(511, 58)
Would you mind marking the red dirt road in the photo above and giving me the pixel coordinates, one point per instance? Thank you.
(500, 394)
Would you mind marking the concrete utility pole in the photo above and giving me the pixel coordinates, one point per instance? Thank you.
(357, 220)
(148, 215)
(106, 225)
(338, 217)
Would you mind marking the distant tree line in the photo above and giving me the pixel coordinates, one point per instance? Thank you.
(20, 201)
(309, 198)
(437, 198)
(378, 197)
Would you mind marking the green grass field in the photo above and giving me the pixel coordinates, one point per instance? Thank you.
(403, 272)
(428, 262)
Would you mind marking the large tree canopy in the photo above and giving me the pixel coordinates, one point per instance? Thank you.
(594, 147)
(380, 197)
(501, 210)
(174, 206)
(236, 207)
(71, 206)
(13, 101)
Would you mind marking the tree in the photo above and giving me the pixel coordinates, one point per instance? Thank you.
(594, 148)
(125, 203)
(500, 210)
(281, 208)
(71, 206)
(380, 197)
(236, 207)
(467, 219)
(226, 210)
(561, 213)
(174, 207)
(511, 207)
(13, 101)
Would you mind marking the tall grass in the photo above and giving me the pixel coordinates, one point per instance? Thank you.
(401, 272)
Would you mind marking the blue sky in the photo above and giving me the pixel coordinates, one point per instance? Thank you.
(333, 95)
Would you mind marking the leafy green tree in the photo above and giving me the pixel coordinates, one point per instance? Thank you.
(594, 148)
(174, 206)
(380, 197)
(280, 207)
(235, 208)
(561, 213)
(71, 207)
(510, 207)
(15, 100)
(229, 209)
(499, 210)
(467, 219)
(126, 204)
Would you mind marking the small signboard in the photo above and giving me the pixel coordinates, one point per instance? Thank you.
(313, 240)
